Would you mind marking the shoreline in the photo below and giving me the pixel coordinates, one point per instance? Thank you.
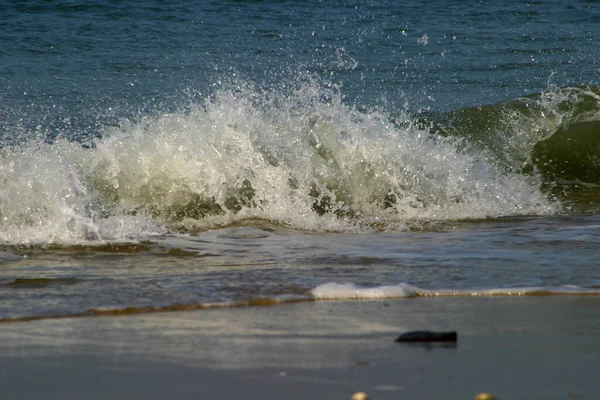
(513, 348)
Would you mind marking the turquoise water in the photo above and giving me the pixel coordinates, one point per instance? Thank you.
(173, 155)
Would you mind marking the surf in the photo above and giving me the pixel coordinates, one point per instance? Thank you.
(297, 157)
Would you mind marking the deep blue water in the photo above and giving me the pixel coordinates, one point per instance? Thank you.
(72, 66)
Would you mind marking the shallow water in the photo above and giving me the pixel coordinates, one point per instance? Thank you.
(166, 157)
(266, 265)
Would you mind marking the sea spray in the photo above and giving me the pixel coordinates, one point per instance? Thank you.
(297, 157)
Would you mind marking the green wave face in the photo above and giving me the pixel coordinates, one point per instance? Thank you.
(571, 153)
(554, 134)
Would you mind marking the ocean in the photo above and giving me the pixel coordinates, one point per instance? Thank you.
(162, 156)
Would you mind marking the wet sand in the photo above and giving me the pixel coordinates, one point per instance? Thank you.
(512, 347)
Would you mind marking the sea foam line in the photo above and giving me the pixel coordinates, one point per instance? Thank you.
(351, 291)
(324, 292)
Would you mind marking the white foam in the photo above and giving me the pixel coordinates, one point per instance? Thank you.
(245, 154)
(351, 291)
(348, 291)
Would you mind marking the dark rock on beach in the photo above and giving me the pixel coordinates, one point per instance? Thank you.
(427, 337)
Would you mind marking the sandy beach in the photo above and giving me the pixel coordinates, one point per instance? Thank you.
(512, 347)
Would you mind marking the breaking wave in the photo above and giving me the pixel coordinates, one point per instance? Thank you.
(298, 157)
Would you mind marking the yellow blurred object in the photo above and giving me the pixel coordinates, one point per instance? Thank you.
(360, 396)
(484, 396)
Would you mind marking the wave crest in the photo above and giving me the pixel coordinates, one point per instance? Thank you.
(298, 157)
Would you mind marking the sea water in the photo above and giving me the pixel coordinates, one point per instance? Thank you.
(173, 155)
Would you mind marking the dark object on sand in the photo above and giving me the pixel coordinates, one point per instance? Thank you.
(427, 337)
